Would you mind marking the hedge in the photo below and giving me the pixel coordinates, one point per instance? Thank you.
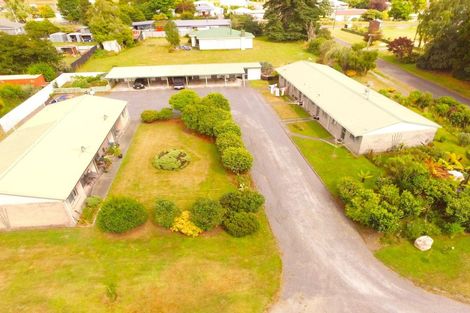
(228, 140)
(206, 213)
(165, 212)
(216, 100)
(150, 116)
(228, 126)
(203, 118)
(183, 98)
(246, 200)
(239, 224)
(237, 160)
(121, 214)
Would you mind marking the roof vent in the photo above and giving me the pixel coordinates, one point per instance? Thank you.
(83, 148)
(367, 92)
(105, 117)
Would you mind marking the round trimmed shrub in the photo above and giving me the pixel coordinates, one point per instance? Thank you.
(183, 98)
(228, 126)
(246, 200)
(216, 100)
(240, 224)
(206, 213)
(165, 212)
(203, 118)
(121, 214)
(237, 160)
(228, 140)
(164, 114)
(171, 160)
(149, 116)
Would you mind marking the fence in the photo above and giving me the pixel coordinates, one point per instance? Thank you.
(152, 34)
(83, 90)
(81, 60)
(33, 103)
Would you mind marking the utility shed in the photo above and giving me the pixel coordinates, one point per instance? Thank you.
(221, 38)
(363, 119)
(36, 80)
(48, 164)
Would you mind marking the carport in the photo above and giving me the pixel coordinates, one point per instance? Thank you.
(193, 74)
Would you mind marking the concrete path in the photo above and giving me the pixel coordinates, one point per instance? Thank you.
(414, 81)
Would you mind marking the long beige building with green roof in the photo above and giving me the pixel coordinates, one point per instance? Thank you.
(48, 165)
(362, 119)
(221, 38)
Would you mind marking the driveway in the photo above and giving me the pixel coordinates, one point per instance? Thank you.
(326, 265)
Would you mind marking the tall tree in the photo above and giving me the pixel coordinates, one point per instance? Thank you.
(401, 10)
(293, 19)
(17, 10)
(40, 29)
(152, 7)
(172, 34)
(106, 23)
(73, 10)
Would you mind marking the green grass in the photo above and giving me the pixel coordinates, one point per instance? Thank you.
(450, 144)
(149, 269)
(441, 268)
(311, 128)
(154, 51)
(332, 163)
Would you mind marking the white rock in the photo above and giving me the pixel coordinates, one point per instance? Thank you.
(424, 243)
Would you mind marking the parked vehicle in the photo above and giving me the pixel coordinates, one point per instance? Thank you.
(178, 83)
(139, 83)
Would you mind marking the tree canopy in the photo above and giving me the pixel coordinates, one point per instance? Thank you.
(40, 29)
(74, 10)
(17, 10)
(172, 34)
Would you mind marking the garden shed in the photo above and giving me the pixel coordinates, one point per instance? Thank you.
(222, 38)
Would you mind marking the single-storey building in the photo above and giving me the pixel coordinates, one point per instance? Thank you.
(144, 25)
(362, 119)
(10, 27)
(58, 37)
(206, 8)
(187, 26)
(221, 38)
(33, 80)
(48, 165)
(347, 14)
(193, 74)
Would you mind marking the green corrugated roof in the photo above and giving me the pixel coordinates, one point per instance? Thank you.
(220, 33)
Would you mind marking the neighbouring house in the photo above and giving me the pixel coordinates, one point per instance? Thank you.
(58, 37)
(10, 27)
(32, 80)
(71, 50)
(111, 45)
(338, 5)
(205, 8)
(347, 15)
(144, 25)
(79, 37)
(234, 3)
(222, 38)
(257, 14)
(49, 164)
(187, 26)
(362, 119)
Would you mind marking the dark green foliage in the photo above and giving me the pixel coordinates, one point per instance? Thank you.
(172, 34)
(216, 100)
(165, 212)
(133, 12)
(206, 213)
(348, 188)
(40, 29)
(401, 10)
(151, 7)
(228, 140)
(74, 10)
(185, 97)
(46, 70)
(314, 45)
(420, 227)
(11, 96)
(203, 119)
(246, 201)
(106, 23)
(171, 160)
(150, 116)
(237, 160)
(407, 174)
(464, 139)
(372, 14)
(227, 126)
(247, 23)
(240, 224)
(121, 214)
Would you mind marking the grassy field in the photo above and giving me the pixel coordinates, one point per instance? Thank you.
(149, 269)
(445, 268)
(311, 128)
(154, 51)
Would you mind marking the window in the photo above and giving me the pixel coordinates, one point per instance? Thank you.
(72, 196)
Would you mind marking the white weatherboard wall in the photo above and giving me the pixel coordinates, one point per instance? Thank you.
(22, 111)
(253, 73)
(226, 44)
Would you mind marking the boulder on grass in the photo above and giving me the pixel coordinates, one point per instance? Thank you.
(424, 243)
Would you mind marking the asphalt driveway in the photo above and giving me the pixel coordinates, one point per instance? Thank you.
(326, 265)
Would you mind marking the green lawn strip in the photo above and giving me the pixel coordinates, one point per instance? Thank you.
(441, 268)
(311, 128)
(332, 163)
(154, 51)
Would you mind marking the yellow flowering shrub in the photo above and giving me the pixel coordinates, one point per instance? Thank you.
(184, 225)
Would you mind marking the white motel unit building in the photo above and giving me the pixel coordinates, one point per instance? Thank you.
(362, 119)
(46, 163)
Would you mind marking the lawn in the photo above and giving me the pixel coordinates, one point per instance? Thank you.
(332, 163)
(154, 51)
(311, 128)
(149, 269)
(444, 268)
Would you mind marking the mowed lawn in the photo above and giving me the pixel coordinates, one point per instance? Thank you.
(310, 128)
(149, 269)
(154, 51)
(445, 268)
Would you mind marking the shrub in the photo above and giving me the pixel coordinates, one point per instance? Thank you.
(247, 201)
(170, 160)
(203, 119)
(164, 114)
(183, 98)
(165, 212)
(184, 225)
(237, 160)
(324, 33)
(348, 188)
(370, 15)
(227, 126)
(149, 116)
(121, 214)
(240, 224)
(216, 100)
(228, 140)
(464, 139)
(93, 201)
(420, 227)
(45, 69)
(206, 213)
(314, 45)
(401, 47)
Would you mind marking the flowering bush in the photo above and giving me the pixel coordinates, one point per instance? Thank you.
(184, 225)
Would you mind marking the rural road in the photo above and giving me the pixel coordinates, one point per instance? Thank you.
(327, 267)
(414, 81)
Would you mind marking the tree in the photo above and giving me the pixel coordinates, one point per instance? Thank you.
(18, 52)
(185, 97)
(203, 119)
(185, 6)
(106, 23)
(379, 5)
(151, 7)
(359, 4)
(74, 10)
(289, 20)
(401, 10)
(216, 100)
(247, 23)
(41, 29)
(401, 47)
(42, 68)
(418, 5)
(171, 33)
(45, 11)
(132, 12)
(370, 15)
(17, 10)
